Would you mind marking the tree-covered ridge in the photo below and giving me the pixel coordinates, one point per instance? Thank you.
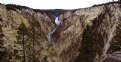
(55, 12)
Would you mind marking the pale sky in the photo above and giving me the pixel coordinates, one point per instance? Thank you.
(55, 4)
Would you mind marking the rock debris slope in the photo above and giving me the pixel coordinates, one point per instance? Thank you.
(85, 35)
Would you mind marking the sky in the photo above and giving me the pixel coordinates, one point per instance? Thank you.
(55, 4)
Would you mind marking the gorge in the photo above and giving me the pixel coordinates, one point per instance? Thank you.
(57, 22)
(91, 34)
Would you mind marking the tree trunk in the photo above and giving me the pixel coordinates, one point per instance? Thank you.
(24, 57)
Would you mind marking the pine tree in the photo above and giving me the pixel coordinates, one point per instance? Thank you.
(33, 36)
(22, 31)
(87, 49)
(45, 59)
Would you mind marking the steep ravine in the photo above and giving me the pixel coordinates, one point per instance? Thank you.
(57, 22)
(84, 35)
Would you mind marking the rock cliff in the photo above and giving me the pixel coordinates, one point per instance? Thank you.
(84, 35)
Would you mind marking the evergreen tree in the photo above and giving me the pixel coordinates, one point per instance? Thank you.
(87, 49)
(33, 36)
(22, 32)
(45, 59)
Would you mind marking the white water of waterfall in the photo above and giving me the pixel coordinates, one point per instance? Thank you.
(57, 21)
(49, 36)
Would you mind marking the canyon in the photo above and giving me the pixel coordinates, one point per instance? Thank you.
(91, 34)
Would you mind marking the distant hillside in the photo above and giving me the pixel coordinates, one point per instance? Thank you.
(55, 12)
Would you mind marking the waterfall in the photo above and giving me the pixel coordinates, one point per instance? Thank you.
(57, 22)
(49, 36)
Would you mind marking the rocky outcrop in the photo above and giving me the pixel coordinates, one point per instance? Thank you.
(114, 57)
(84, 35)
